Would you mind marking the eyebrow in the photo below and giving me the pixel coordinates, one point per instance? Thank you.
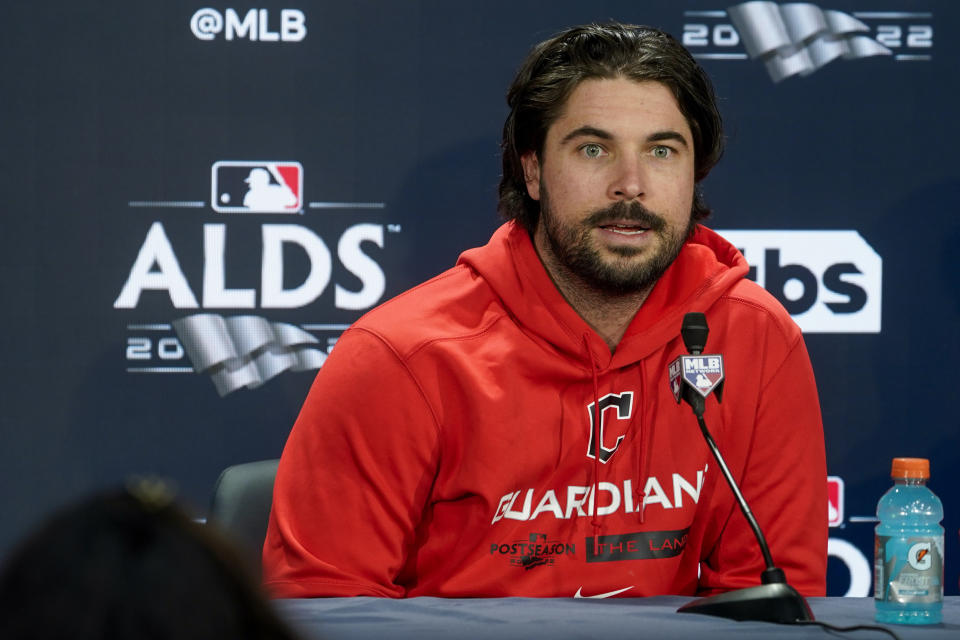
(593, 132)
(667, 135)
(587, 131)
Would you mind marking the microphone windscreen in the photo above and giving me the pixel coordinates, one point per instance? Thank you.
(694, 332)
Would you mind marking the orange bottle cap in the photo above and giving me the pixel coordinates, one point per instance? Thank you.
(910, 468)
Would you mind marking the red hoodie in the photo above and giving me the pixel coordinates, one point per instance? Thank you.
(446, 446)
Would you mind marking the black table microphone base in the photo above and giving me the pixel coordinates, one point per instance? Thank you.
(767, 603)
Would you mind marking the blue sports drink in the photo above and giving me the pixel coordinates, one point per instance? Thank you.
(908, 550)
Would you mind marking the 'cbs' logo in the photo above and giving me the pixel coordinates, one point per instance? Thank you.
(829, 281)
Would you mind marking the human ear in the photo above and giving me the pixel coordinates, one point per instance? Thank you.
(531, 173)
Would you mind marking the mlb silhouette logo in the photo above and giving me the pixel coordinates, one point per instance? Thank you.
(256, 187)
(704, 373)
(834, 501)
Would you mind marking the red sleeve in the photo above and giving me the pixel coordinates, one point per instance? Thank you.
(354, 477)
(784, 480)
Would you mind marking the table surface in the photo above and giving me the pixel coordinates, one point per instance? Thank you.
(561, 618)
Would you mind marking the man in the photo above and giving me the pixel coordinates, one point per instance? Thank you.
(450, 445)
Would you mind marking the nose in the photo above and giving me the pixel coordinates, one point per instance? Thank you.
(628, 181)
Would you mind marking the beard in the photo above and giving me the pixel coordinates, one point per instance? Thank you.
(574, 249)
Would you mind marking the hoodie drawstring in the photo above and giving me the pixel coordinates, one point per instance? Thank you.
(597, 417)
(640, 491)
(643, 453)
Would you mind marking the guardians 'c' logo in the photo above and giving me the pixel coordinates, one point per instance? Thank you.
(624, 404)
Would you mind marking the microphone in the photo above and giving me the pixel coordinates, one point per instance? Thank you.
(696, 376)
(692, 379)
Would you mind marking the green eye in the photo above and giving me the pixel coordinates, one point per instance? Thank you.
(661, 152)
(592, 150)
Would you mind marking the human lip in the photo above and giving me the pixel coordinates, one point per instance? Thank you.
(624, 228)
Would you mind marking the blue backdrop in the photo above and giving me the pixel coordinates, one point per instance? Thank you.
(131, 133)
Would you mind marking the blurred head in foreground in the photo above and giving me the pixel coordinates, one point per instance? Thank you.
(130, 564)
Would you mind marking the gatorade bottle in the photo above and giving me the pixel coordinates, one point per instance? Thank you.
(908, 549)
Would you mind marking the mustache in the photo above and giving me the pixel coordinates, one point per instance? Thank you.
(629, 212)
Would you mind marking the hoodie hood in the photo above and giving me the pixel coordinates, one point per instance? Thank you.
(705, 269)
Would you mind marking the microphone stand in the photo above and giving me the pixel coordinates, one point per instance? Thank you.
(772, 601)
